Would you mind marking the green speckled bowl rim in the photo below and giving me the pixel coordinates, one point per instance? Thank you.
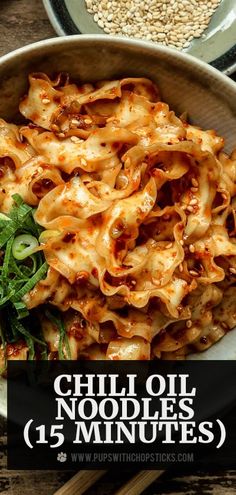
(64, 25)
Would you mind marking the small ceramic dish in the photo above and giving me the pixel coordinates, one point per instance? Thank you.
(216, 46)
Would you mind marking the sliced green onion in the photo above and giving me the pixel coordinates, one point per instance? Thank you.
(23, 211)
(17, 327)
(17, 270)
(7, 258)
(21, 309)
(63, 337)
(23, 246)
(46, 235)
(31, 283)
(7, 232)
(32, 225)
(18, 199)
(30, 271)
(16, 222)
(19, 235)
(4, 217)
(44, 350)
(2, 224)
(6, 298)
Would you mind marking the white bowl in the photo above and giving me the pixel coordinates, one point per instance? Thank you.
(186, 83)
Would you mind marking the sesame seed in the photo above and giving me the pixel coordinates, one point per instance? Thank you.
(168, 246)
(189, 323)
(181, 242)
(45, 101)
(194, 189)
(55, 128)
(190, 209)
(191, 248)
(232, 270)
(193, 201)
(75, 121)
(169, 22)
(61, 134)
(193, 273)
(181, 268)
(75, 139)
(194, 182)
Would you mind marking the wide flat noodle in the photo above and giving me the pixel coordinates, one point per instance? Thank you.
(139, 212)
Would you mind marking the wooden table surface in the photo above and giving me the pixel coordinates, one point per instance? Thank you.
(23, 22)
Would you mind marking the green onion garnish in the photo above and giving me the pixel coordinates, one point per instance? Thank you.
(63, 339)
(21, 269)
(21, 310)
(30, 339)
(23, 246)
(31, 283)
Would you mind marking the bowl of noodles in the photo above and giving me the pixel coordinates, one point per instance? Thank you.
(117, 203)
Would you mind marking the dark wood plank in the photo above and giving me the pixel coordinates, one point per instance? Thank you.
(22, 22)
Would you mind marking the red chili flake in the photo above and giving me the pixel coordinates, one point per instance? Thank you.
(119, 246)
(115, 145)
(69, 237)
(15, 348)
(180, 226)
(94, 272)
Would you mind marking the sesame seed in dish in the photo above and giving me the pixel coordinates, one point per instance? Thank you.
(170, 22)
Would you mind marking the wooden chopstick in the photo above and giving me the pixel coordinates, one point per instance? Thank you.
(139, 482)
(85, 479)
(80, 482)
